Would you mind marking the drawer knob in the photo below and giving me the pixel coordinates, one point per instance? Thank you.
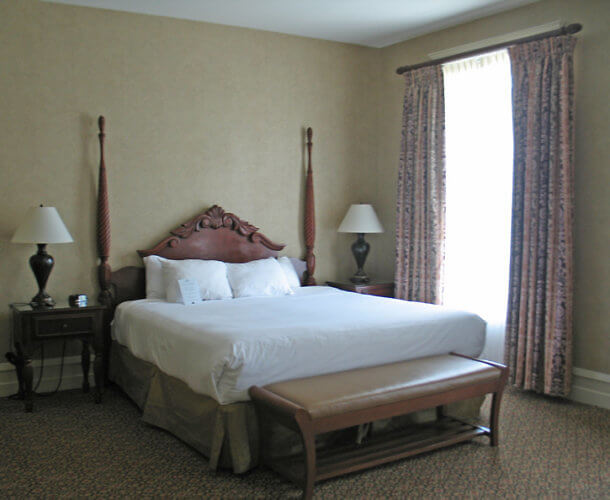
(64, 326)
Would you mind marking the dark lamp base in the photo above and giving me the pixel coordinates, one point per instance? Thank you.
(42, 300)
(360, 249)
(359, 279)
(41, 264)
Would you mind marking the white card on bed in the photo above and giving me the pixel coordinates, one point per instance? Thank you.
(189, 289)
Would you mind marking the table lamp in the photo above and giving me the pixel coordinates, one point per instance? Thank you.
(42, 225)
(360, 218)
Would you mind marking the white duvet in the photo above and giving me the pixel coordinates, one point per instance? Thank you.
(222, 347)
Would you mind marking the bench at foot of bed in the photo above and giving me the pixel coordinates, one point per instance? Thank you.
(324, 403)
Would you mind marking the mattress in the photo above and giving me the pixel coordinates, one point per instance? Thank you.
(222, 347)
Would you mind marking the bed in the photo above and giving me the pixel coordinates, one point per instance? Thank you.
(189, 368)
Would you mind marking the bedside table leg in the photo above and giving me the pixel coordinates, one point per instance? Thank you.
(28, 378)
(17, 361)
(85, 361)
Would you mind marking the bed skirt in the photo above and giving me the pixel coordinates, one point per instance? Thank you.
(226, 434)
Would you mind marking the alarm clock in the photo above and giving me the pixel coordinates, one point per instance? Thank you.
(78, 300)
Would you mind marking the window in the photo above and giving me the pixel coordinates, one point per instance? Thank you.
(479, 163)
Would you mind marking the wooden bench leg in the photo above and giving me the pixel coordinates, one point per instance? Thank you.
(440, 412)
(309, 449)
(495, 418)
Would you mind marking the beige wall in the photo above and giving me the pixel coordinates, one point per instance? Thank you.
(196, 114)
(592, 74)
(200, 114)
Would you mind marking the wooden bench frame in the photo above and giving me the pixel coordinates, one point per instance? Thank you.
(445, 431)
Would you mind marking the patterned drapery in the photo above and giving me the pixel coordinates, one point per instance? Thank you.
(420, 217)
(539, 321)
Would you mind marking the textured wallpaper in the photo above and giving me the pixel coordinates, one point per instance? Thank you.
(196, 114)
(199, 114)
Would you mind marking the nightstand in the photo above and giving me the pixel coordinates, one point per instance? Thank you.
(32, 327)
(381, 288)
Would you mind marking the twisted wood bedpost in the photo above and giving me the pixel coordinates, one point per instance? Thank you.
(104, 272)
(103, 224)
(310, 220)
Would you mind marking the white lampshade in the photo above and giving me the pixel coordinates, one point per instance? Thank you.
(42, 225)
(360, 218)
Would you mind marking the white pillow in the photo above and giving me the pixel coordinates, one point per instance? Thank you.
(211, 275)
(155, 288)
(289, 272)
(258, 278)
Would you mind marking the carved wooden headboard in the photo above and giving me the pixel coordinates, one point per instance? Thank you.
(214, 234)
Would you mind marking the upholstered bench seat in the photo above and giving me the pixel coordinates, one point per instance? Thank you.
(323, 403)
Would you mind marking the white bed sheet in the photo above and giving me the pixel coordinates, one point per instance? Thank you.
(222, 347)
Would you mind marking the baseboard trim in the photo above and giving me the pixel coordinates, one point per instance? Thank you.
(590, 387)
(72, 375)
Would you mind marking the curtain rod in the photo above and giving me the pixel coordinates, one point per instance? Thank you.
(570, 29)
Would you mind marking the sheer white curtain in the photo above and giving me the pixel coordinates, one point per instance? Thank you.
(479, 162)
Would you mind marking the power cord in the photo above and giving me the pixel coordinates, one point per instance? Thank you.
(61, 372)
(15, 360)
(41, 368)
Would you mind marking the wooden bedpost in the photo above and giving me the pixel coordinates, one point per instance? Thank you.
(103, 224)
(102, 349)
(310, 217)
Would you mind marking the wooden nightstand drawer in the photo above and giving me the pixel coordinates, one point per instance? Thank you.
(58, 326)
(381, 289)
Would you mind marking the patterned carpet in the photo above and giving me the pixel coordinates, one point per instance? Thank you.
(70, 447)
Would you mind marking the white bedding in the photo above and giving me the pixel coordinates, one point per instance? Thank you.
(222, 347)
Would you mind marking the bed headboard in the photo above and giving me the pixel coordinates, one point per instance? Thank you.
(218, 235)
(214, 234)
